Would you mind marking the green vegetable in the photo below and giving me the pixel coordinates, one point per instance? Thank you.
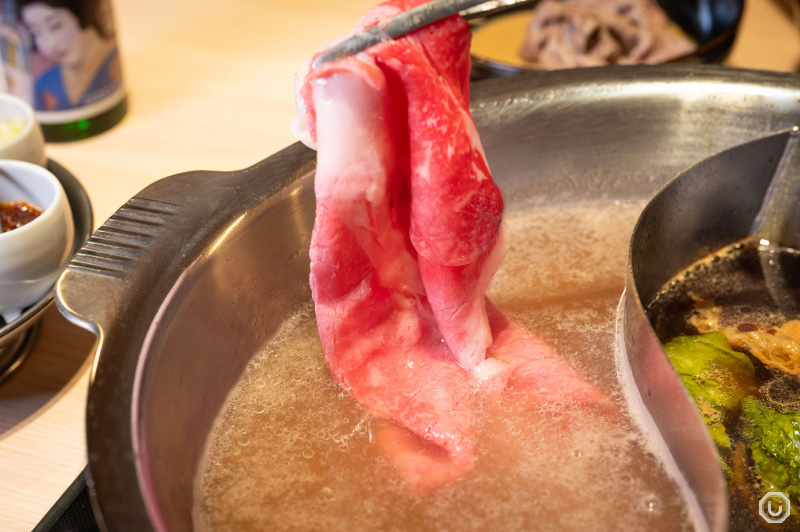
(716, 376)
(718, 433)
(775, 444)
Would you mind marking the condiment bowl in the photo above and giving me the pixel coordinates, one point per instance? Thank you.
(33, 254)
(712, 24)
(28, 144)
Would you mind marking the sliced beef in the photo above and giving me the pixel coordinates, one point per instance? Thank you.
(406, 238)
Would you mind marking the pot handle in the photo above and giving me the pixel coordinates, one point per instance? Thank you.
(92, 289)
(161, 230)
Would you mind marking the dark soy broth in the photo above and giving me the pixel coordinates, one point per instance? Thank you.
(732, 281)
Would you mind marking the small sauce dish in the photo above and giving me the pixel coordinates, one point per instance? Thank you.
(33, 255)
(21, 136)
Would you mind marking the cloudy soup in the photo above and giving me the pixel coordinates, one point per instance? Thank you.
(291, 450)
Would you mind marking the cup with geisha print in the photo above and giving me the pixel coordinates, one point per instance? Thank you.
(74, 72)
(33, 248)
(20, 135)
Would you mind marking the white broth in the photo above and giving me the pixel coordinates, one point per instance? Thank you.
(290, 450)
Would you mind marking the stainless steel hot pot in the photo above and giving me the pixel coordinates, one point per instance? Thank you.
(188, 279)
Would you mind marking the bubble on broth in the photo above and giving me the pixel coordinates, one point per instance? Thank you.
(782, 391)
(311, 463)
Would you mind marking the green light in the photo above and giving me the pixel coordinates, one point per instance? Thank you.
(82, 125)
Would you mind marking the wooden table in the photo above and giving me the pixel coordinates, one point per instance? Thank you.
(210, 87)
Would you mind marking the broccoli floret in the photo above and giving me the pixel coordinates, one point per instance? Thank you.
(716, 376)
(775, 443)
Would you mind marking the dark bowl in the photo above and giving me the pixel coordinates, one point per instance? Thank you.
(711, 23)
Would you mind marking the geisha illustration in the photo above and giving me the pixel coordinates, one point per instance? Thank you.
(81, 60)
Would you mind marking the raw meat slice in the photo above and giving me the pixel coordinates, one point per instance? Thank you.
(455, 207)
(406, 239)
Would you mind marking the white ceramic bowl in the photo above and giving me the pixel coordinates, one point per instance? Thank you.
(28, 145)
(32, 256)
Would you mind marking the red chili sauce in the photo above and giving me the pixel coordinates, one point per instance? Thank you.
(16, 214)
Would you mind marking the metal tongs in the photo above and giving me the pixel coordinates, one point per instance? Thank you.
(412, 20)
